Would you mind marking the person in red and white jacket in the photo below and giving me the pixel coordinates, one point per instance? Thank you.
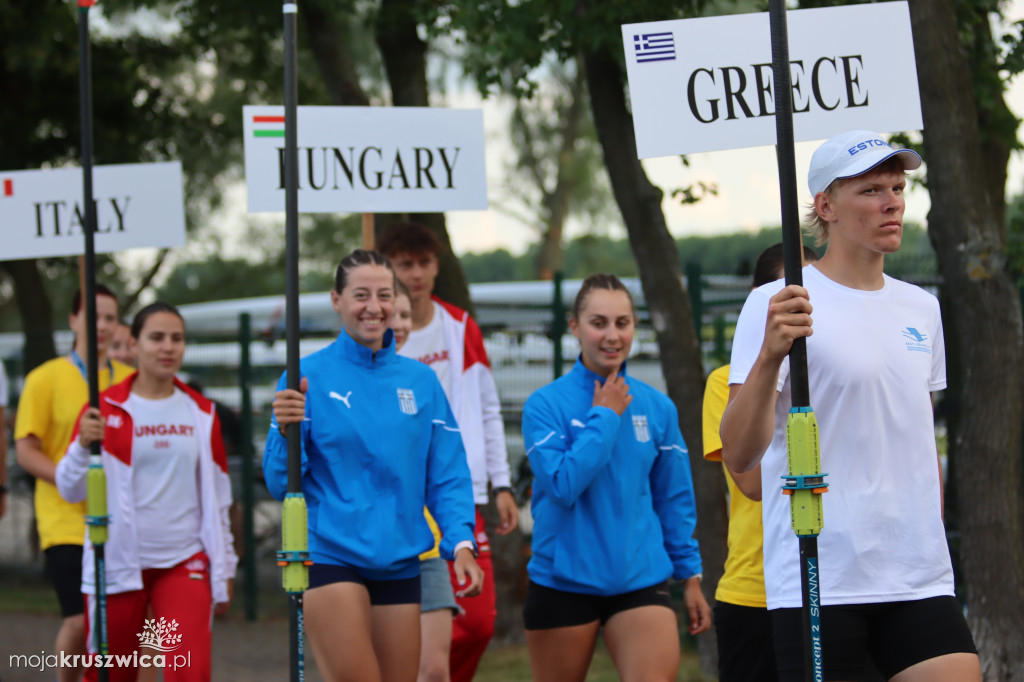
(168, 493)
(447, 339)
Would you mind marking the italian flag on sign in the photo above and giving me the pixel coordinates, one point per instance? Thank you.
(8, 187)
(268, 126)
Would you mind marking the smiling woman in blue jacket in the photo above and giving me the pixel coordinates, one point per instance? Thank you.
(613, 508)
(378, 443)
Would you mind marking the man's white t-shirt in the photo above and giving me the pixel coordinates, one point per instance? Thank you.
(873, 360)
(3, 386)
(165, 479)
(428, 345)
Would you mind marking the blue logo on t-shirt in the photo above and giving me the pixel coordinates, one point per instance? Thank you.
(914, 335)
(916, 340)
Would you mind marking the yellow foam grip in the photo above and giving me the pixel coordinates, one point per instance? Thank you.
(804, 454)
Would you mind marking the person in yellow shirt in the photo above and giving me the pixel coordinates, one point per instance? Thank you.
(742, 624)
(48, 409)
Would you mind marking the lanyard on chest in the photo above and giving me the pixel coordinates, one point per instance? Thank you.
(77, 359)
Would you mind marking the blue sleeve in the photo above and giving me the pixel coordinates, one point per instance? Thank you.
(564, 472)
(449, 484)
(275, 452)
(674, 499)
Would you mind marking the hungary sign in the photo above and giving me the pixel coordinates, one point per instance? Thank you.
(699, 85)
(368, 159)
(137, 205)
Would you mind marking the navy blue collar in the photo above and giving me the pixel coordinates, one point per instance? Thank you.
(357, 353)
(586, 378)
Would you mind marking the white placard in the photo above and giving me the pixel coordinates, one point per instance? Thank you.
(369, 159)
(699, 85)
(137, 205)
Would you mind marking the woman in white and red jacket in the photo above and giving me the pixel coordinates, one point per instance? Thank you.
(168, 494)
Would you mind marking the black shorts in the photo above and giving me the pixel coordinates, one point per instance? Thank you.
(382, 592)
(64, 567)
(894, 635)
(745, 648)
(548, 608)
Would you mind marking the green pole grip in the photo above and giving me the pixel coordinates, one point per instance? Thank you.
(96, 501)
(805, 482)
(294, 554)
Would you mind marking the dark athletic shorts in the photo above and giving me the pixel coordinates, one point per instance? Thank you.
(746, 651)
(547, 608)
(894, 635)
(382, 592)
(64, 567)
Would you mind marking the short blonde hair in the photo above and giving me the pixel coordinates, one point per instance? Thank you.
(814, 226)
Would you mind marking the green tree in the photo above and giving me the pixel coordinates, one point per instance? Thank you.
(209, 274)
(557, 174)
(154, 98)
(494, 266)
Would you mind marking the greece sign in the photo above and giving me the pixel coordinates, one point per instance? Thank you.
(368, 159)
(700, 85)
(137, 205)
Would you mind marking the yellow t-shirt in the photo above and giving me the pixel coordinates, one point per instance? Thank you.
(436, 551)
(743, 581)
(48, 409)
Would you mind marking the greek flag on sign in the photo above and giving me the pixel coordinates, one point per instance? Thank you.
(654, 47)
(643, 434)
(406, 401)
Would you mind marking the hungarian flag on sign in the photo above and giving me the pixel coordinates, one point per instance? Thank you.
(271, 126)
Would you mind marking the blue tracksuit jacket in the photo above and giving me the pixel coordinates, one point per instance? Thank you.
(379, 440)
(613, 501)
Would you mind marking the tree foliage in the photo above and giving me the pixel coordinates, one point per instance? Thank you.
(151, 101)
(722, 254)
(558, 174)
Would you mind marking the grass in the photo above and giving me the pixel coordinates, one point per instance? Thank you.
(22, 592)
(512, 664)
(26, 593)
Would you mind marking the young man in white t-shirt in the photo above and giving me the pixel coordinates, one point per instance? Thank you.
(875, 353)
(447, 339)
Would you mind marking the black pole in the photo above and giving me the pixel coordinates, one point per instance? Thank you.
(89, 294)
(291, 232)
(557, 323)
(249, 568)
(97, 536)
(291, 203)
(792, 246)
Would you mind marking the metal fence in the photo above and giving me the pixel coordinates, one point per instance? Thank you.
(237, 358)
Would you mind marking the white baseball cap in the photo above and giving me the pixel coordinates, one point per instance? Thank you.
(851, 154)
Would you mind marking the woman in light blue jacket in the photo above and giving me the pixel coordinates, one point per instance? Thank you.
(378, 443)
(613, 507)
